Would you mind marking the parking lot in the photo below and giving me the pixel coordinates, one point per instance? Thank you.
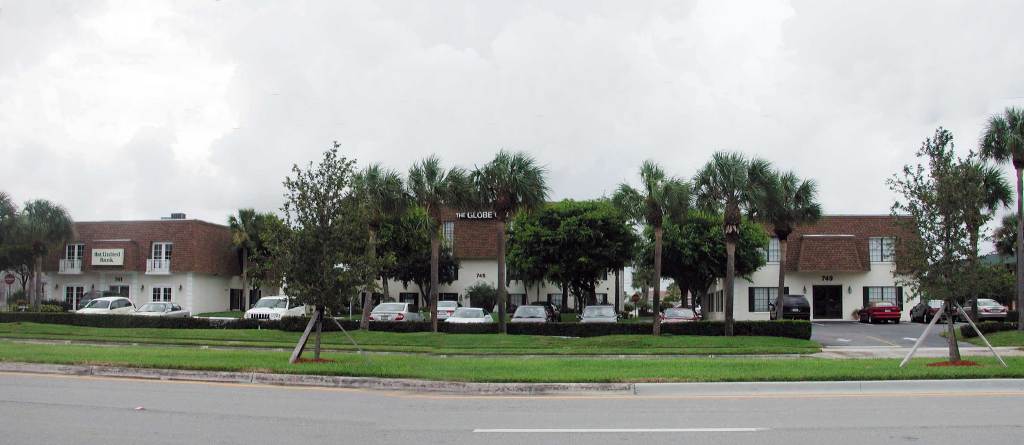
(852, 333)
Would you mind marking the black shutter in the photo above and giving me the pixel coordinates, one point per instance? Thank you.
(899, 297)
(750, 299)
(865, 296)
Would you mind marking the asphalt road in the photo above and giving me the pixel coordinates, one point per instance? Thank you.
(852, 333)
(80, 410)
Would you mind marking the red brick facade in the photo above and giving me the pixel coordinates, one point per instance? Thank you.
(474, 238)
(198, 246)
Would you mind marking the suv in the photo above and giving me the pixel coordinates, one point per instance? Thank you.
(794, 307)
(275, 308)
(554, 315)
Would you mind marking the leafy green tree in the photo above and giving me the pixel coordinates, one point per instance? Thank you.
(42, 226)
(321, 252)
(1003, 141)
(509, 183)
(1005, 236)
(8, 215)
(482, 295)
(785, 201)
(408, 239)
(380, 193)
(728, 182)
(659, 197)
(435, 189)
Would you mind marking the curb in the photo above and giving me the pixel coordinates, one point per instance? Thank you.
(323, 381)
(1008, 386)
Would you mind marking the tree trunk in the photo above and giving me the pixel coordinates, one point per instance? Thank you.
(502, 292)
(730, 277)
(244, 304)
(617, 307)
(371, 254)
(37, 285)
(435, 260)
(780, 299)
(384, 286)
(1020, 249)
(954, 349)
(319, 328)
(656, 304)
(565, 298)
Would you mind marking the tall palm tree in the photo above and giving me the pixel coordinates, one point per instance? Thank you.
(435, 189)
(659, 197)
(1002, 141)
(784, 201)
(988, 191)
(44, 226)
(1005, 236)
(382, 196)
(507, 184)
(244, 237)
(728, 182)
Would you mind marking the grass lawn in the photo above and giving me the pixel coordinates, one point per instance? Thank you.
(547, 369)
(425, 342)
(232, 314)
(1003, 338)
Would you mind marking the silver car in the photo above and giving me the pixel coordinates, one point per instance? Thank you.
(987, 309)
(599, 314)
(394, 312)
(530, 314)
(446, 308)
(171, 310)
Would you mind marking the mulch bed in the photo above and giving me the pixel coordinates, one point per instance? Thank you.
(310, 360)
(955, 363)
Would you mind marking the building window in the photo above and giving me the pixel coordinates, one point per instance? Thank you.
(73, 295)
(761, 297)
(448, 232)
(881, 249)
(161, 294)
(74, 251)
(771, 254)
(892, 294)
(448, 296)
(162, 251)
(601, 298)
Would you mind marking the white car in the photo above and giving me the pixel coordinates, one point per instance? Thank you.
(108, 305)
(599, 314)
(530, 314)
(170, 310)
(275, 308)
(470, 315)
(445, 309)
(394, 312)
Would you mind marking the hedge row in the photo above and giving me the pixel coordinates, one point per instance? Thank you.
(986, 327)
(788, 328)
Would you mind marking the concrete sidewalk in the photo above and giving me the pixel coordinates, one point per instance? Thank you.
(855, 352)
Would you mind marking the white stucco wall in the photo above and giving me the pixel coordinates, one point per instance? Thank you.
(193, 291)
(802, 283)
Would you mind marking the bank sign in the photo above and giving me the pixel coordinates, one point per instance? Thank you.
(475, 215)
(108, 257)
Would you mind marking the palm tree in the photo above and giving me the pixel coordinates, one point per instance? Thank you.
(784, 201)
(728, 182)
(509, 183)
(1005, 236)
(1002, 141)
(988, 192)
(44, 226)
(660, 196)
(381, 195)
(244, 237)
(435, 189)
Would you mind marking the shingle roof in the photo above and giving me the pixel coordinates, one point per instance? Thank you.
(838, 242)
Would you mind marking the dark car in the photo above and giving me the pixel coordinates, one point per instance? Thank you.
(794, 307)
(924, 311)
(553, 313)
(880, 311)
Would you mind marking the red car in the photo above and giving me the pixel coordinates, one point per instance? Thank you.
(678, 315)
(880, 311)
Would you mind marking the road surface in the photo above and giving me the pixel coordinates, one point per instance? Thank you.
(852, 333)
(38, 409)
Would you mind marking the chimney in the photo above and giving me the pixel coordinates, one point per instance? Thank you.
(177, 216)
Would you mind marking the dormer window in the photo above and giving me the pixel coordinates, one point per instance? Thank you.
(771, 254)
(881, 249)
(74, 251)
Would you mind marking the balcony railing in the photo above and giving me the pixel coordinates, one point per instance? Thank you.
(158, 267)
(70, 266)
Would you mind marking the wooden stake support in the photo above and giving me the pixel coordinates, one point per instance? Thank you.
(305, 337)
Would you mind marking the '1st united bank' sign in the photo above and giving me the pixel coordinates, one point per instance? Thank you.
(107, 257)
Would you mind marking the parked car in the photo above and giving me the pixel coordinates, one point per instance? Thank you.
(678, 315)
(531, 314)
(880, 311)
(988, 310)
(108, 305)
(170, 310)
(395, 312)
(466, 315)
(554, 315)
(446, 308)
(924, 311)
(599, 314)
(794, 307)
(275, 307)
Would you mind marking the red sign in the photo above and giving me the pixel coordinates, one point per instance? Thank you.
(9, 279)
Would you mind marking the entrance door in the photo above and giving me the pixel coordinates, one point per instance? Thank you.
(828, 302)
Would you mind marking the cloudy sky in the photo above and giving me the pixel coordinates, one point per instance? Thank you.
(136, 109)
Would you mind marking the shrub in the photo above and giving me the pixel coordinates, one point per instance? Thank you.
(986, 327)
(129, 321)
(482, 295)
(17, 297)
(64, 305)
(50, 308)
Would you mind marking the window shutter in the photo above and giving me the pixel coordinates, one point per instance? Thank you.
(865, 296)
(899, 297)
(750, 299)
